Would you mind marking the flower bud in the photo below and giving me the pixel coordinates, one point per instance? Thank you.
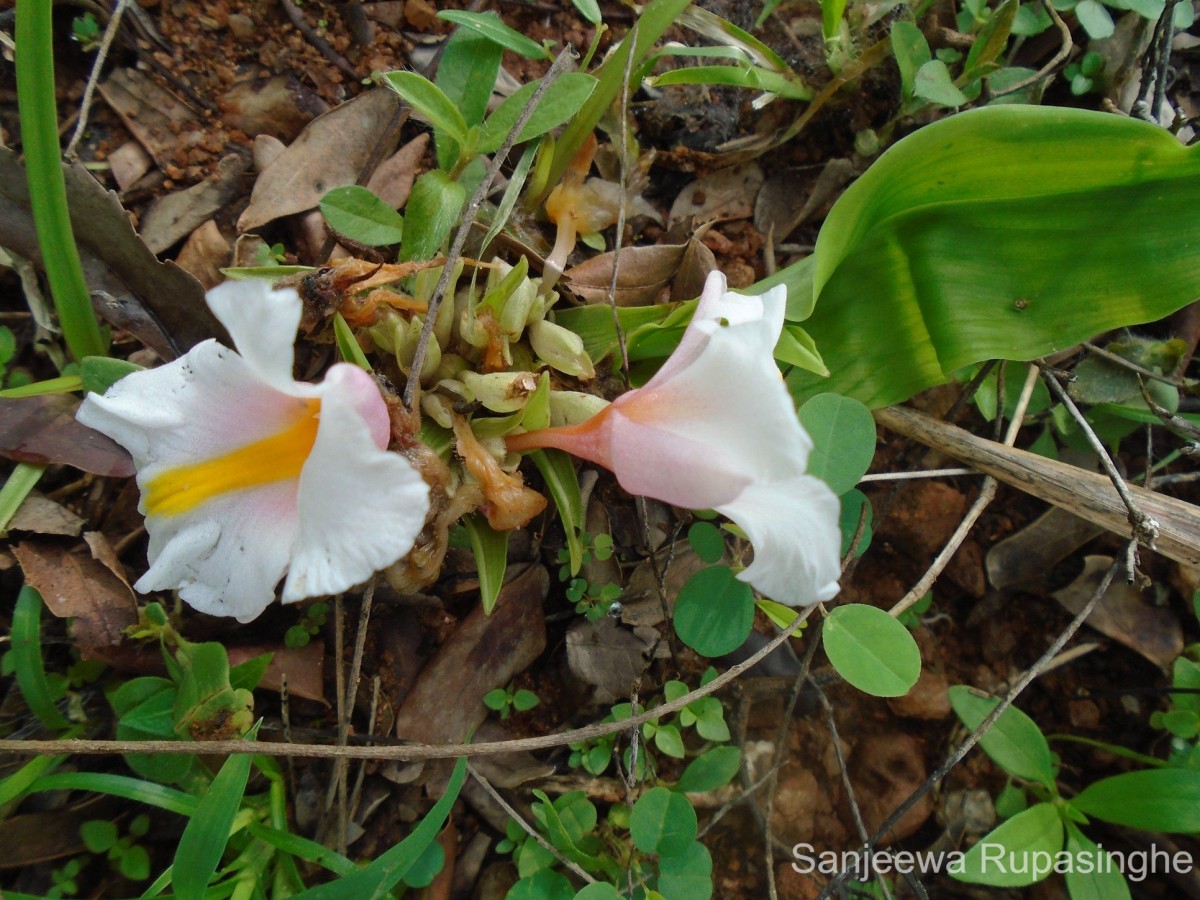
(501, 392)
(562, 349)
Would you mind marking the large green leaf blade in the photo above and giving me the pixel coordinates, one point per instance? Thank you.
(203, 841)
(1005, 232)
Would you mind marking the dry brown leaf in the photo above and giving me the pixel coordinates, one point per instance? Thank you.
(159, 303)
(724, 194)
(781, 208)
(204, 254)
(643, 275)
(1026, 556)
(42, 430)
(1124, 615)
(75, 585)
(172, 217)
(128, 163)
(393, 180)
(152, 114)
(303, 666)
(279, 106)
(606, 656)
(41, 515)
(483, 653)
(330, 152)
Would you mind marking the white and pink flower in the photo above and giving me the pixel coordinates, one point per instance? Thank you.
(715, 428)
(248, 476)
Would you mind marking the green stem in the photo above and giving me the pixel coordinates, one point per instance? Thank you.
(47, 188)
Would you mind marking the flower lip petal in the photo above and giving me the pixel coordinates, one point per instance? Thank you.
(358, 388)
(360, 508)
(263, 324)
(793, 526)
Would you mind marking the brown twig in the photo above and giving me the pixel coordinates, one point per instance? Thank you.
(85, 747)
(323, 46)
(1059, 58)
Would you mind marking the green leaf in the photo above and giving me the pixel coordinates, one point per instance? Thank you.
(911, 51)
(1018, 853)
(871, 650)
(831, 17)
(1149, 800)
(1093, 872)
(543, 885)
(560, 101)
(26, 636)
(590, 10)
(524, 700)
(706, 539)
(99, 835)
(490, 548)
(466, 74)
(63, 384)
(15, 785)
(933, 83)
(853, 502)
(429, 102)
(668, 740)
(843, 435)
(136, 789)
(796, 347)
(203, 841)
(38, 118)
(782, 84)
(714, 612)
(99, 373)
(489, 26)
(356, 213)
(1014, 741)
(598, 890)
(663, 822)
(389, 869)
(1095, 19)
(687, 875)
(710, 770)
(432, 210)
(246, 676)
(976, 238)
(21, 480)
(563, 484)
(295, 845)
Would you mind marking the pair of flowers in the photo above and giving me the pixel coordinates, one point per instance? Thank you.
(248, 476)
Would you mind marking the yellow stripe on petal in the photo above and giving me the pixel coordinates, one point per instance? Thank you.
(276, 458)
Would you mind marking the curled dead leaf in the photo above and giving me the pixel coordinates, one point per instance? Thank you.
(42, 430)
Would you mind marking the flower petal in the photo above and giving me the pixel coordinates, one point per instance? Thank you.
(654, 461)
(200, 406)
(729, 398)
(360, 507)
(227, 556)
(263, 324)
(793, 526)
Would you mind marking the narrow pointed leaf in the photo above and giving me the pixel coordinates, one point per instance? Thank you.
(203, 841)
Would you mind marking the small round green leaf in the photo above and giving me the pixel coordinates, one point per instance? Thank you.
(714, 612)
(1095, 19)
(687, 875)
(662, 822)
(706, 540)
(854, 502)
(843, 435)
(871, 650)
(711, 770)
(599, 890)
(358, 214)
(545, 885)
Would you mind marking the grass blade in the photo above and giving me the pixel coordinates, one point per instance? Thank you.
(203, 842)
(27, 656)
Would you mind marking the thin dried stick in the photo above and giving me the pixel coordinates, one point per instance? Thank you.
(987, 493)
(623, 163)
(468, 217)
(920, 473)
(526, 827)
(1145, 528)
(85, 104)
(411, 751)
(323, 46)
(973, 738)
(1060, 57)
